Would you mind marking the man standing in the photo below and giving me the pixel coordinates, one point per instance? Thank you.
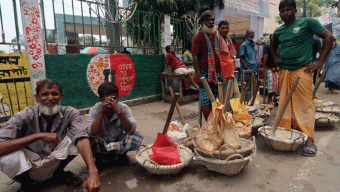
(248, 53)
(228, 51)
(206, 54)
(112, 128)
(36, 144)
(296, 38)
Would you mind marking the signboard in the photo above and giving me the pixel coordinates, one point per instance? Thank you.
(112, 67)
(326, 18)
(254, 6)
(15, 84)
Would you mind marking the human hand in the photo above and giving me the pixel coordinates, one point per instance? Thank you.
(163, 73)
(113, 104)
(199, 82)
(275, 69)
(313, 66)
(50, 138)
(92, 183)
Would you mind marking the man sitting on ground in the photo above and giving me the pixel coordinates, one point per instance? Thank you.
(111, 126)
(178, 67)
(37, 143)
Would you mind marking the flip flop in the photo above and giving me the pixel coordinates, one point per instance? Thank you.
(308, 148)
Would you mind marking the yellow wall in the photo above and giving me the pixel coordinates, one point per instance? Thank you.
(15, 83)
(269, 23)
(237, 25)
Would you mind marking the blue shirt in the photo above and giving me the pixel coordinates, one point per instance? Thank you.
(248, 50)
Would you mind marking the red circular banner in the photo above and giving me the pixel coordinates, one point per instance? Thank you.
(102, 68)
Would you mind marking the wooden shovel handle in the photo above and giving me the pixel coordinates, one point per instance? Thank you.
(181, 118)
(255, 93)
(317, 84)
(243, 92)
(207, 89)
(220, 92)
(284, 106)
(226, 100)
(171, 112)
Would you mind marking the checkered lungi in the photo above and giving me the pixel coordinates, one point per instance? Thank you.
(129, 142)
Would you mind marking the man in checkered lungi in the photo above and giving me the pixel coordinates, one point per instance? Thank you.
(111, 126)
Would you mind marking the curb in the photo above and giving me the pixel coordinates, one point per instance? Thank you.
(130, 103)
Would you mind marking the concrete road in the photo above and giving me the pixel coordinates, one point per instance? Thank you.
(270, 170)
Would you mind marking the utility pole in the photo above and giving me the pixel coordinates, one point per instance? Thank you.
(112, 29)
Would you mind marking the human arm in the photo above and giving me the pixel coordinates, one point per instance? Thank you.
(92, 182)
(197, 70)
(275, 53)
(243, 62)
(166, 67)
(13, 136)
(124, 115)
(326, 47)
(9, 146)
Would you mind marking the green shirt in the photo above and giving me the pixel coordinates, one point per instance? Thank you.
(296, 40)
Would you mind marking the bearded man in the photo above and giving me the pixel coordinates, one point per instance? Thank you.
(206, 55)
(37, 143)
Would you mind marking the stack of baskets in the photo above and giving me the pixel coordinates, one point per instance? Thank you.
(284, 140)
(229, 161)
(143, 154)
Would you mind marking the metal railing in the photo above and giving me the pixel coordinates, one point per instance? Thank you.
(181, 36)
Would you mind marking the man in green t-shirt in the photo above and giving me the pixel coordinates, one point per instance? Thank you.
(295, 37)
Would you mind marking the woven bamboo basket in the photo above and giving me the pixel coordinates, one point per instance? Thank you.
(321, 117)
(143, 154)
(329, 109)
(247, 146)
(284, 140)
(230, 166)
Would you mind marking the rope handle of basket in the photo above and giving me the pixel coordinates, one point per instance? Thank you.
(335, 105)
(223, 146)
(239, 156)
(151, 162)
(318, 119)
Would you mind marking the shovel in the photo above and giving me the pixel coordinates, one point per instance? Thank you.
(317, 84)
(207, 89)
(181, 118)
(284, 106)
(227, 96)
(171, 112)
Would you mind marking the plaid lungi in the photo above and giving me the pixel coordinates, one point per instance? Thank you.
(127, 143)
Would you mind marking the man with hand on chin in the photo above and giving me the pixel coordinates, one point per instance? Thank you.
(207, 59)
(112, 128)
(37, 143)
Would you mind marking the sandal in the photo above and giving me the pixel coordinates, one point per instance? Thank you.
(68, 178)
(310, 149)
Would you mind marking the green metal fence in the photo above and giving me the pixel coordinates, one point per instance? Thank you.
(71, 25)
(181, 35)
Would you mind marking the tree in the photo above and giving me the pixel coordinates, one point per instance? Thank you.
(141, 25)
(313, 8)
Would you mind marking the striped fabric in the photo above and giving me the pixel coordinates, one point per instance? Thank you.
(212, 75)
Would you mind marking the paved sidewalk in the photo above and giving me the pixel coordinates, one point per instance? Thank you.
(270, 171)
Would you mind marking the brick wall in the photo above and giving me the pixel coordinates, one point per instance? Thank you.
(70, 71)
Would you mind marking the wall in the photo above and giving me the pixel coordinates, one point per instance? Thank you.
(15, 86)
(70, 70)
(269, 23)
